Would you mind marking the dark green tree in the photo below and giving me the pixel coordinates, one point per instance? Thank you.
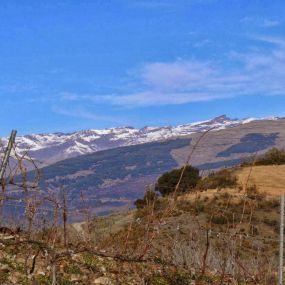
(167, 182)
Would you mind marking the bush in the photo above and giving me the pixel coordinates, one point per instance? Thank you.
(253, 193)
(167, 182)
(148, 198)
(171, 278)
(218, 180)
(272, 157)
(72, 269)
(269, 222)
(199, 206)
(219, 219)
(269, 204)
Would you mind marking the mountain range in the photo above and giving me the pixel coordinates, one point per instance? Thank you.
(52, 147)
(113, 167)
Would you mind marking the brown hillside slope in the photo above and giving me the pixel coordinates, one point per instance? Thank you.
(269, 179)
(242, 227)
(210, 237)
(217, 141)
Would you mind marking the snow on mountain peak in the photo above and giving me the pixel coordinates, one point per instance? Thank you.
(57, 146)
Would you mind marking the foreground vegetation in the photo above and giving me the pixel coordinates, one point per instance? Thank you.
(218, 229)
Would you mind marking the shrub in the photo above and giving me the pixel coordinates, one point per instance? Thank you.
(269, 222)
(219, 219)
(272, 157)
(159, 281)
(253, 193)
(199, 206)
(221, 179)
(167, 182)
(171, 278)
(269, 204)
(148, 198)
(72, 269)
(185, 206)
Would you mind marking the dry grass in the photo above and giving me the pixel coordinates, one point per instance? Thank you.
(269, 179)
(246, 225)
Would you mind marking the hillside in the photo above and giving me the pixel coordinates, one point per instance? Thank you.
(217, 236)
(242, 228)
(113, 179)
(228, 147)
(269, 179)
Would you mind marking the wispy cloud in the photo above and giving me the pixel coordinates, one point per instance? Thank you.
(182, 81)
(202, 43)
(259, 72)
(260, 22)
(279, 42)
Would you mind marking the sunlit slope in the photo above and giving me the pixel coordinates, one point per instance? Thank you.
(270, 178)
(227, 147)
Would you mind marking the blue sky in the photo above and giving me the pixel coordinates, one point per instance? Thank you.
(70, 65)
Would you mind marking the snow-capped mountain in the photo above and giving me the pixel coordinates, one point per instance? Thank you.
(49, 148)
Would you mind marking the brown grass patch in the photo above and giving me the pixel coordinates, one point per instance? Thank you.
(269, 179)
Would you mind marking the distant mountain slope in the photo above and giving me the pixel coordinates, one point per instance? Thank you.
(227, 147)
(250, 143)
(50, 148)
(113, 179)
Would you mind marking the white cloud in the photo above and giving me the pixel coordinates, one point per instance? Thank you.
(280, 42)
(149, 98)
(259, 72)
(183, 81)
(179, 75)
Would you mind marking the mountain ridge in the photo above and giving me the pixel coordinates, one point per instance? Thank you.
(112, 179)
(52, 147)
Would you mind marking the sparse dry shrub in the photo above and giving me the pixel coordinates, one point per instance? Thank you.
(149, 198)
(225, 195)
(273, 156)
(195, 207)
(269, 204)
(199, 206)
(206, 199)
(219, 219)
(185, 205)
(172, 278)
(270, 222)
(253, 193)
(218, 180)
